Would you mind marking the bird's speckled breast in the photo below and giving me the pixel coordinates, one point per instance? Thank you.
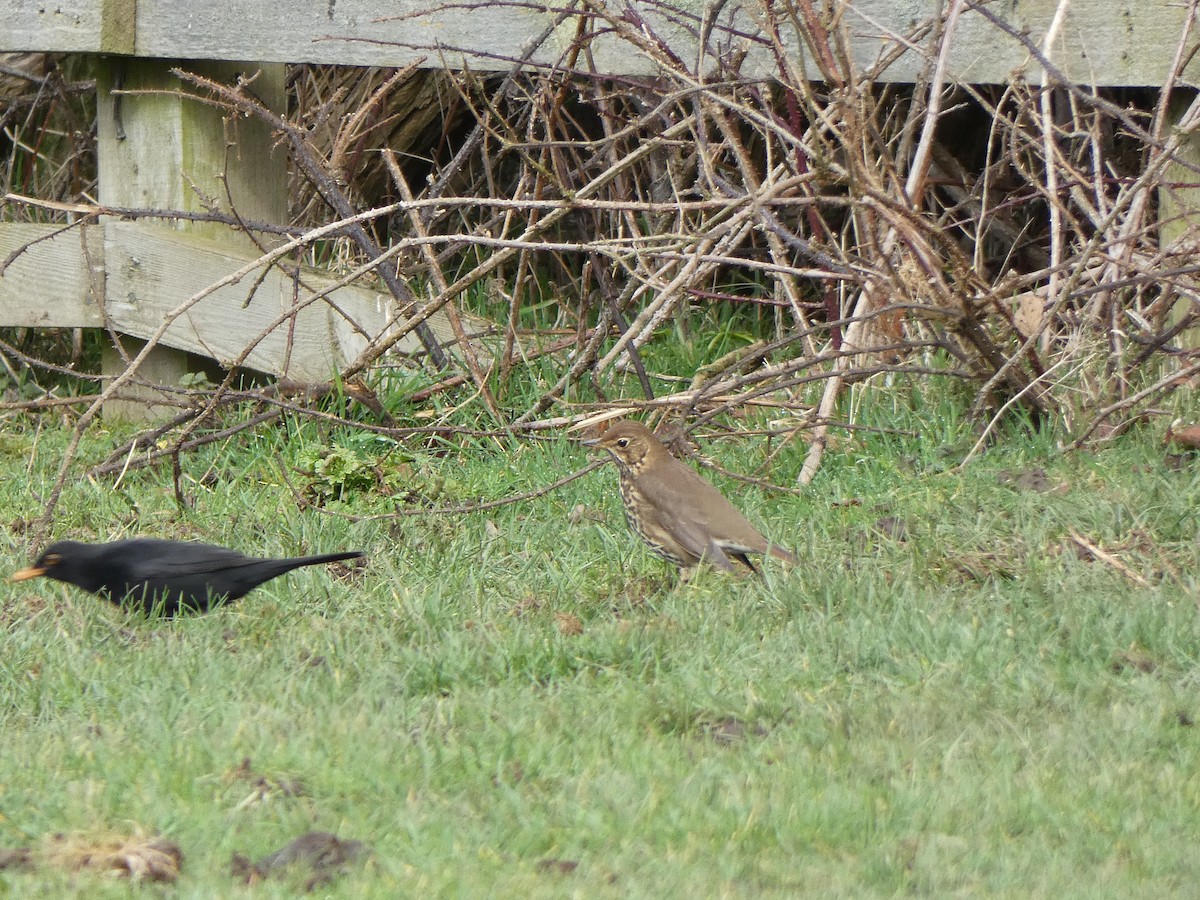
(634, 504)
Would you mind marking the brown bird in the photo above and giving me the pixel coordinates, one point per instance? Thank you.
(681, 516)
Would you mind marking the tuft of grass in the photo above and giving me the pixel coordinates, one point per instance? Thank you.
(946, 696)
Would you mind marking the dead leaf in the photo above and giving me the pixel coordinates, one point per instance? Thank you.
(1133, 659)
(981, 566)
(892, 527)
(1029, 314)
(729, 730)
(265, 787)
(325, 855)
(135, 856)
(527, 604)
(21, 858)
(568, 624)
(1034, 479)
(558, 866)
(1186, 437)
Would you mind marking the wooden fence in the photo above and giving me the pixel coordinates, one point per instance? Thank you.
(158, 150)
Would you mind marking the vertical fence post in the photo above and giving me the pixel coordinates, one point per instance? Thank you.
(1179, 203)
(162, 150)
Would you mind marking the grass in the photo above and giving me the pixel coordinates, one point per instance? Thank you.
(956, 701)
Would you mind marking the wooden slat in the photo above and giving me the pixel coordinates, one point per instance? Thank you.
(1104, 43)
(57, 281)
(1111, 43)
(157, 150)
(118, 26)
(152, 272)
(51, 27)
(78, 26)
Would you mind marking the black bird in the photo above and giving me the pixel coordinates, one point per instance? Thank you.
(164, 577)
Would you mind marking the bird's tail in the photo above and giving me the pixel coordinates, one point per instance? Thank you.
(299, 561)
(786, 555)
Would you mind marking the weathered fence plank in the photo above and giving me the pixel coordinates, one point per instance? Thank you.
(1102, 42)
(158, 149)
(161, 271)
(57, 281)
(60, 280)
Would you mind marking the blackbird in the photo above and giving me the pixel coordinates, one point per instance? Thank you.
(164, 577)
(682, 517)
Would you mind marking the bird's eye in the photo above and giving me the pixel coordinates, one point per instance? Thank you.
(51, 559)
(622, 442)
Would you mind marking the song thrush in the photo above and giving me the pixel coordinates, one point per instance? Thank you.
(681, 516)
(163, 576)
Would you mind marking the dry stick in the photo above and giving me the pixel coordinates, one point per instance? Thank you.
(734, 232)
(510, 248)
(116, 461)
(607, 291)
(995, 419)
(1159, 386)
(42, 403)
(1129, 197)
(439, 279)
(1050, 151)
(473, 140)
(645, 330)
(183, 215)
(783, 62)
(112, 466)
(81, 223)
(523, 241)
(595, 263)
(1157, 150)
(424, 203)
(145, 439)
(189, 427)
(730, 380)
(776, 381)
(33, 363)
(356, 129)
(773, 227)
(402, 245)
(1189, 320)
(741, 223)
(1093, 101)
(914, 191)
(528, 355)
(1107, 558)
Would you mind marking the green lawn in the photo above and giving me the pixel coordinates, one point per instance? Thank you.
(520, 703)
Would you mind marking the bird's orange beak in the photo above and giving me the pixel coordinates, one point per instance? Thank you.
(26, 574)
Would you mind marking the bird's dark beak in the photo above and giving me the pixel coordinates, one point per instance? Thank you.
(590, 442)
(26, 574)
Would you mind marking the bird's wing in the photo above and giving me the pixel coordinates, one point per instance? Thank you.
(682, 515)
(175, 559)
(691, 498)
